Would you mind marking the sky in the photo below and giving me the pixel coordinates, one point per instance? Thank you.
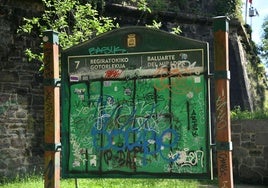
(256, 22)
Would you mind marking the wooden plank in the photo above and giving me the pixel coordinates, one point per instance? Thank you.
(51, 110)
(222, 95)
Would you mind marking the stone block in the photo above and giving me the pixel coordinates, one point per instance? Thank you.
(240, 153)
(245, 137)
(249, 161)
(255, 152)
(38, 100)
(261, 138)
(12, 153)
(261, 170)
(27, 78)
(247, 175)
(24, 90)
(21, 114)
(3, 129)
(24, 99)
(260, 162)
(10, 112)
(265, 153)
(35, 160)
(253, 137)
(18, 143)
(236, 140)
(236, 127)
(7, 76)
(5, 143)
(254, 126)
(3, 164)
(248, 145)
(15, 163)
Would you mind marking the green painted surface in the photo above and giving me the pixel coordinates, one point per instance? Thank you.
(135, 114)
(221, 23)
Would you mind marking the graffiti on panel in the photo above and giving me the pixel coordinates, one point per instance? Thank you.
(106, 50)
(186, 160)
(146, 117)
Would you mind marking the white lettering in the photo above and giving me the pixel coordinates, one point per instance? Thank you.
(109, 60)
(107, 66)
(161, 58)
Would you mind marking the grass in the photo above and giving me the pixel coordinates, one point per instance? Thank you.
(37, 181)
(238, 114)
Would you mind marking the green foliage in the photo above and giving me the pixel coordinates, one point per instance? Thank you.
(76, 22)
(31, 56)
(142, 5)
(264, 43)
(230, 8)
(158, 5)
(176, 30)
(238, 114)
(257, 74)
(37, 181)
(155, 25)
(29, 181)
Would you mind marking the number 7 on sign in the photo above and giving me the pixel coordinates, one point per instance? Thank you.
(77, 64)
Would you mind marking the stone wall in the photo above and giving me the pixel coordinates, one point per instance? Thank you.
(21, 94)
(250, 151)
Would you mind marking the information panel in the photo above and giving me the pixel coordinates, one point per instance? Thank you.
(138, 114)
(135, 65)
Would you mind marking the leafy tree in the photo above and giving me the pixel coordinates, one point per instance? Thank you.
(75, 21)
(264, 45)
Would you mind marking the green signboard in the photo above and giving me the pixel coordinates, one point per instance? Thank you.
(135, 104)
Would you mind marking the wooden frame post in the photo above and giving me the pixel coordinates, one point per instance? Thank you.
(222, 95)
(51, 110)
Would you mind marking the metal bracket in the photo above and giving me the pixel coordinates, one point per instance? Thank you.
(52, 82)
(210, 75)
(223, 75)
(53, 147)
(224, 146)
(212, 145)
